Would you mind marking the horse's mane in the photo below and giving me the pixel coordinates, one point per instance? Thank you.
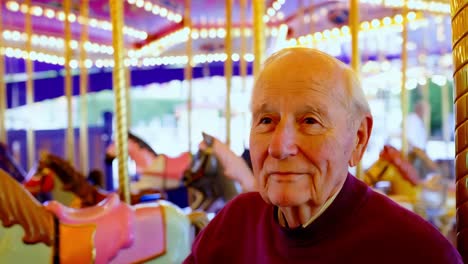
(406, 169)
(64, 170)
(72, 179)
(206, 175)
(17, 206)
(8, 164)
(417, 153)
(141, 143)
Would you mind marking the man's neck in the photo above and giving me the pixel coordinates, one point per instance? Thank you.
(303, 215)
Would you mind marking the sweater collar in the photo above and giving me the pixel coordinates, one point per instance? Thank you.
(351, 196)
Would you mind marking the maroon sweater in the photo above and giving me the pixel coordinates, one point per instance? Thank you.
(360, 226)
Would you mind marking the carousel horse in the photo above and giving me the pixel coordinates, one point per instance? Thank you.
(110, 232)
(209, 189)
(40, 188)
(422, 162)
(392, 167)
(156, 171)
(430, 196)
(75, 182)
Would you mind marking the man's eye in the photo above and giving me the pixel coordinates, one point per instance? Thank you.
(310, 120)
(265, 120)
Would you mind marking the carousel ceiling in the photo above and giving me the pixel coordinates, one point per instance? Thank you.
(155, 37)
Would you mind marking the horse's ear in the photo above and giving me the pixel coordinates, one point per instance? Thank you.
(209, 140)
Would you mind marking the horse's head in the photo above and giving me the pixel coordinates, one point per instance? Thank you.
(394, 168)
(424, 165)
(138, 150)
(72, 180)
(203, 171)
(52, 165)
(205, 179)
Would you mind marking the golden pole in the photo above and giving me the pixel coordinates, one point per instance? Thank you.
(70, 142)
(188, 69)
(258, 34)
(29, 84)
(242, 61)
(128, 86)
(355, 56)
(243, 47)
(116, 11)
(404, 94)
(460, 60)
(228, 69)
(84, 151)
(3, 92)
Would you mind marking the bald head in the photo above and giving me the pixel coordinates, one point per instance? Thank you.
(315, 69)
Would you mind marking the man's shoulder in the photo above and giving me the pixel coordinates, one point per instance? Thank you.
(396, 217)
(249, 196)
(405, 231)
(246, 200)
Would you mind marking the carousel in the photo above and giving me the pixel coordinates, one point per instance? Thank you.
(124, 124)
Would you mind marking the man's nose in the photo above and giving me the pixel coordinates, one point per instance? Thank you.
(283, 141)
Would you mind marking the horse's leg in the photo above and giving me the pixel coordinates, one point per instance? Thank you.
(196, 198)
(179, 235)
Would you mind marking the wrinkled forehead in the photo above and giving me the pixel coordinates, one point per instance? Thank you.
(306, 76)
(302, 66)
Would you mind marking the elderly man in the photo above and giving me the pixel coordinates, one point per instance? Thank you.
(310, 122)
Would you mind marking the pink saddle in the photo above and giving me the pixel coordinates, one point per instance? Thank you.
(175, 167)
(85, 215)
(115, 224)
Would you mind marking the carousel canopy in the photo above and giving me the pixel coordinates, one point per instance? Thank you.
(155, 37)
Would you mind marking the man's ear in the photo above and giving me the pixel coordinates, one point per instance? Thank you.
(362, 138)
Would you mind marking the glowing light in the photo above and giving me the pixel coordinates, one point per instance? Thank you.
(155, 10)
(163, 12)
(12, 6)
(148, 6)
(49, 13)
(398, 19)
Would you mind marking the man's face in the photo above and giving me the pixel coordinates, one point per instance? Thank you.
(301, 140)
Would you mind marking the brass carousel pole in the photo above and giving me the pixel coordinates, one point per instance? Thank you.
(459, 10)
(228, 69)
(258, 35)
(403, 92)
(84, 88)
(243, 47)
(29, 84)
(188, 69)
(242, 61)
(70, 142)
(355, 56)
(128, 99)
(116, 11)
(3, 92)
